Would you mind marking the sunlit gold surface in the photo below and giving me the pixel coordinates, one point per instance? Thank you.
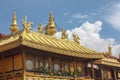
(108, 61)
(40, 28)
(76, 38)
(110, 50)
(14, 26)
(27, 26)
(51, 27)
(47, 43)
(64, 34)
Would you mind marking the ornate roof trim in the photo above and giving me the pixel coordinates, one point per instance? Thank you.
(108, 61)
(47, 43)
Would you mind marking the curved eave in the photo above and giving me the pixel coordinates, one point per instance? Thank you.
(49, 48)
(61, 51)
(47, 43)
(107, 63)
(10, 45)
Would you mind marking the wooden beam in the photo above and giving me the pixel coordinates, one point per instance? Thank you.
(3, 67)
(23, 61)
(49, 62)
(101, 72)
(92, 69)
(115, 77)
(75, 66)
(13, 66)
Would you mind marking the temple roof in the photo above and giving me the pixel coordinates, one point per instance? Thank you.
(109, 61)
(46, 43)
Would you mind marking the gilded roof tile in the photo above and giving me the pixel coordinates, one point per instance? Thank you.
(42, 41)
(108, 61)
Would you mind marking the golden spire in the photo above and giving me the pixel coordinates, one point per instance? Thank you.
(40, 28)
(51, 28)
(110, 49)
(14, 26)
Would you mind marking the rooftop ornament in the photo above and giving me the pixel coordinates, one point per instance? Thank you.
(40, 28)
(27, 26)
(51, 27)
(76, 38)
(64, 34)
(14, 26)
(110, 49)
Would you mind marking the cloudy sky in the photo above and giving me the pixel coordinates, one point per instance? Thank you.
(97, 22)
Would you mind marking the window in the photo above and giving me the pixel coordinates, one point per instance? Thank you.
(65, 66)
(56, 65)
(72, 67)
(80, 69)
(29, 65)
(29, 62)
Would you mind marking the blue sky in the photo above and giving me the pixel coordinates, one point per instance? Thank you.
(69, 14)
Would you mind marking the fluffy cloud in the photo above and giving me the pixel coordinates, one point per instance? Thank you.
(90, 37)
(112, 15)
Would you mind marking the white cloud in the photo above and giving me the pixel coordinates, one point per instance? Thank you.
(112, 15)
(90, 37)
(80, 16)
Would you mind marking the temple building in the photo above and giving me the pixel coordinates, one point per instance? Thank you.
(30, 55)
(109, 67)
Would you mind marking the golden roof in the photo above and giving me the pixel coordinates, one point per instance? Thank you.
(47, 43)
(108, 61)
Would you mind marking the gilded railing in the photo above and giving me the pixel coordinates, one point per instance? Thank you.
(35, 76)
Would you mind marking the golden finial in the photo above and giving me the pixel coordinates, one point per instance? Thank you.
(51, 15)
(76, 38)
(14, 26)
(27, 26)
(110, 49)
(51, 20)
(64, 34)
(51, 28)
(40, 28)
(119, 55)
